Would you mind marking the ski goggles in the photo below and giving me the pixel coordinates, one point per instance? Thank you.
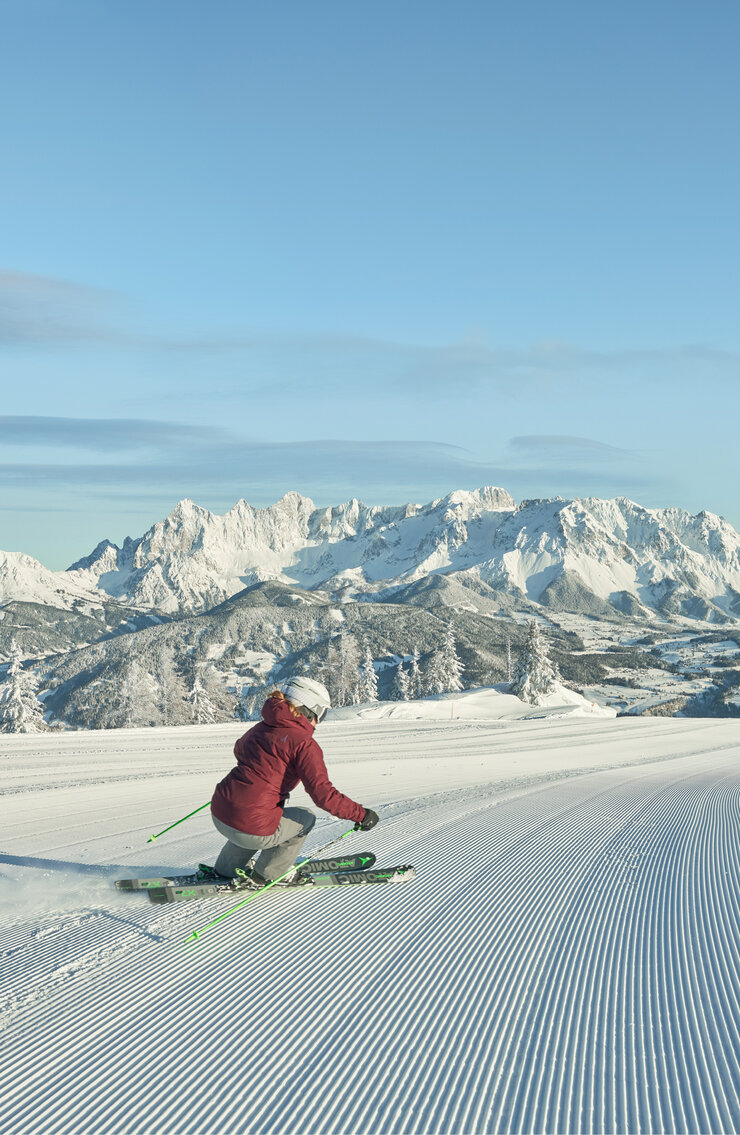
(318, 717)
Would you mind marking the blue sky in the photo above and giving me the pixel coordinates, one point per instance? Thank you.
(381, 251)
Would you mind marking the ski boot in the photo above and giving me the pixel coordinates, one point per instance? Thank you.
(253, 879)
(206, 874)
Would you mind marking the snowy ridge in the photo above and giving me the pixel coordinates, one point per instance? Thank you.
(22, 577)
(564, 961)
(666, 560)
(568, 555)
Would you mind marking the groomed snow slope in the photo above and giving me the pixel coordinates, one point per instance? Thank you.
(565, 961)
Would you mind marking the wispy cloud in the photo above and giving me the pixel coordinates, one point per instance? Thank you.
(155, 458)
(105, 434)
(582, 466)
(473, 356)
(561, 446)
(521, 372)
(184, 456)
(43, 311)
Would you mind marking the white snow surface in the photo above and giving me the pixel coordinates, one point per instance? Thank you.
(565, 961)
(484, 704)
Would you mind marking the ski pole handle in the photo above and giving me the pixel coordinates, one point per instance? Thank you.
(169, 829)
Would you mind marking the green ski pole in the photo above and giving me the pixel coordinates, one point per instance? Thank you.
(237, 906)
(169, 829)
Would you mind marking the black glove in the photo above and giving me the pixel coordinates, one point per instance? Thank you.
(369, 821)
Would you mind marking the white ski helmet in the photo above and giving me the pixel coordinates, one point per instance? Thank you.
(310, 694)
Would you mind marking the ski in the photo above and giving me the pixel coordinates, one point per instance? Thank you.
(361, 862)
(378, 875)
(157, 881)
(191, 892)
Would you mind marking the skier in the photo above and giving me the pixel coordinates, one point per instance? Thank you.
(248, 806)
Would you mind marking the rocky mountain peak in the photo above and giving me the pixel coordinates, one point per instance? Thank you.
(545, 550)
(105, 552)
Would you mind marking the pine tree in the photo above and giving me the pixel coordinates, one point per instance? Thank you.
(20, 709)
(444, 667)
(432, 679)
(243, 704)
(402, 683)
(452, 667)
(201, 703)
(416, 689)
(138, 698)
(329, 673)
(368, 685)
(167, 678)
(534, 674)
(350, 662)
(341, 671)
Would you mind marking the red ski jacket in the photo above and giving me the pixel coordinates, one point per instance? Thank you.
(273, 757)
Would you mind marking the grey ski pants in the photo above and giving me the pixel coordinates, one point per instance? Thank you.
(278, 851)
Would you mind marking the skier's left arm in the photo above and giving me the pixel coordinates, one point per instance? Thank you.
(309, 763)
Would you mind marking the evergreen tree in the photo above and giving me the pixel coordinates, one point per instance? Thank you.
(200, 697)
(168, 681)
(415, 679)
(138, 703)
(350, 668)
(444, 668)
(402, 683)
(20, 709)
(433, 677)
(342, 670)
(534, 674)
(368, 685)
(329, 672)
(452, 667)
(243, 705)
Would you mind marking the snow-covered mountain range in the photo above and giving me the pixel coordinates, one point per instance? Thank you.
(597, 556)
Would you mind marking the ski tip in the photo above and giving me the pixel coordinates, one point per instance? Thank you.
(151, 839)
